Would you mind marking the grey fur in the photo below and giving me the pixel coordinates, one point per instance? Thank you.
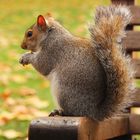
(84, 75)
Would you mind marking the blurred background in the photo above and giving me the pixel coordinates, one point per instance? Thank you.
(24, 93)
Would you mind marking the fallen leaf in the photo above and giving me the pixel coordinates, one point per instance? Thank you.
(6, 94)
(5, 117)
(36, 102)
(38, 113)
(20, 109)
(11, 134)
(26, 139)
(25, 91)
(4, 67)
(4, 41)
(18, 78)
(10, 102)
(4, 80)
(23, 117)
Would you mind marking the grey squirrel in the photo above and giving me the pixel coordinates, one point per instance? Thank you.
(89, 77)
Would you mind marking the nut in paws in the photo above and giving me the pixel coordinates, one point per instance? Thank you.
(24, 60)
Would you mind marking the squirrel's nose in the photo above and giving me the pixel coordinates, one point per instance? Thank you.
(23, 46)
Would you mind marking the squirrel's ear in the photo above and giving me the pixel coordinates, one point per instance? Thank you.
(41, 23)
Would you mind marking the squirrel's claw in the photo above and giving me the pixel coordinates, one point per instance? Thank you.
(24, 60)
(21, 61)
(56, 112)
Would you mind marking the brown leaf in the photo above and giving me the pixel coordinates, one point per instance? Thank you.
(11, 134)
(6, 94)
(3, 120)
(25, 91)
(20, 109)
(37, 113)
(23, 117)
(18, 78)
(4, 41)
(5, 117)
(4, 80)
(10, 102)
(4, 67)
(36, 102)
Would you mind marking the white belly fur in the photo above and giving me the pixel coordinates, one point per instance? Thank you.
(54, 88)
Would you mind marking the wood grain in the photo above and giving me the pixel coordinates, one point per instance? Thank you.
(131, 41)
(134, 122)
(125, 2)
(135, 15)
(136, 65)
(77, 128)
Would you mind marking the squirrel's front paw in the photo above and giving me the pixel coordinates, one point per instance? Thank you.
(56, 112)
(25, 59)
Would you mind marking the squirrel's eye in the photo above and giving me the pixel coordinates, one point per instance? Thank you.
(29, 34)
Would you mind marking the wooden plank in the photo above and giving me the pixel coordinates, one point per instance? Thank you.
(77, 128)
(136, 64)
(135, 15)
(134, 123)
(137, 94)
(54, 128)
(131, 41)
(126, 2)
(136, 102)
(111, 128)
(125, 137)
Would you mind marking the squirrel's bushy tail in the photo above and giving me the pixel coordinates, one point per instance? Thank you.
(106, 34)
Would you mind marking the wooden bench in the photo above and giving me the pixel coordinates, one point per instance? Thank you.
(82, 128)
